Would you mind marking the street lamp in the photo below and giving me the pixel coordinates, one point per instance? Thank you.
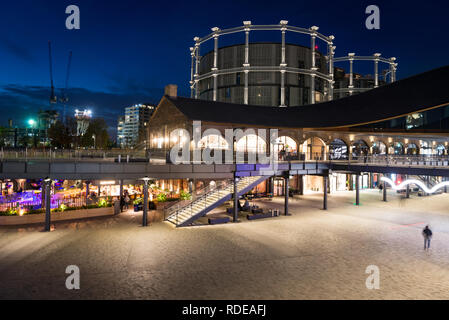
(32, 123)
(47, 184)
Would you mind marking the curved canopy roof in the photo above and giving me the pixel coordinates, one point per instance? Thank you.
(418, 93)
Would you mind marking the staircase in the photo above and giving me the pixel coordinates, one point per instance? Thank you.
(183, 216)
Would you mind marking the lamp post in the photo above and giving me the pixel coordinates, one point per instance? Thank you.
(47, 184)
(146, 180)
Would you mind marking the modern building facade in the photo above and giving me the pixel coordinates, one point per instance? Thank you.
(135, 125)
(275, 73)
(120, 131)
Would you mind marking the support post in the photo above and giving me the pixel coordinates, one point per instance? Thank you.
(287, 191)
(121, 195)
(384, 189)
(215, 66)
(236, 200)
(325, 183)
(351, 72)
(197, 65)
(357, 190)
(407, 190)
(246, 65)
(47, 182)
(301, 185)
(145, 202)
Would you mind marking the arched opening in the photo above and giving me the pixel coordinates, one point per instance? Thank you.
(412, 149)
(398, 148)
(359, 148)
(314, 149)
(379, 148)
(440, 150)
(426, 149)
(338, 150)
(213, 141)
(251, 143)
(285, 146)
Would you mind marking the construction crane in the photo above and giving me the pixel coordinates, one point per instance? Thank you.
(53, 98)
(64, 99)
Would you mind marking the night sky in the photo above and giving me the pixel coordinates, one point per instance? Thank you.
(127, 51)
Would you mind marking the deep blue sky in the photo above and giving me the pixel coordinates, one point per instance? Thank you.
(127, 51)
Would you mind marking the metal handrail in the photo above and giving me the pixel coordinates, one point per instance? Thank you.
(218, 190)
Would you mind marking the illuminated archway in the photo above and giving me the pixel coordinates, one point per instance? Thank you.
(251, 143)
(379, 148)
(359, 148)
(314, 149)
(440, 150)
(412, 149)
(398, 148)
(213, 141)
(286, 144)
(338, 150)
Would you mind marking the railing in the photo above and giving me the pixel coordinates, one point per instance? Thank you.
(219, 190)
(69, 154)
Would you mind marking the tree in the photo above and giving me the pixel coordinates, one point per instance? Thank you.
(59, 135)
(96, 134)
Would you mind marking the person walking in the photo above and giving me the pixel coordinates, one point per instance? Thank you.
(127, 199)
(427, 234)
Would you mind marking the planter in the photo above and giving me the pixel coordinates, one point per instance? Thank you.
(56, 216)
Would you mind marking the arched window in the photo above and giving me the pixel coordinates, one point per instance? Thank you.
(359, 148)
(251, 143)
(338, 150)
(314, 148)
(398, 148)
(412, 149)
(287, 144)
(379, 148)
(440, 150)
(213, 141)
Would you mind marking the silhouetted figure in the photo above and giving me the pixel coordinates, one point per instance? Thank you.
(427, 234)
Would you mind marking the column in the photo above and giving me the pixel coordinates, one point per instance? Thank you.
(282, 66)
(286, 186)
(392, 69)
(282, 88)
(325, 183)
(357, 189)
(246, 64)
(192, 55)
(407, 190)
(331, 49)
(215, 67)
(384, 189)
(312, 89)
(301, 185)
(376, 69)
(121, 194)
(47, 182)
(145, 202)
(351, 72)
(236, 200)
(197, 65)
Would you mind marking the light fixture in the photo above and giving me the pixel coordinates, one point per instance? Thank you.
(417, 182)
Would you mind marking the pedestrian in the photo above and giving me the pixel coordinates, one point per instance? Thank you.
(122, 203)
(427, 234)
(127, 200)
